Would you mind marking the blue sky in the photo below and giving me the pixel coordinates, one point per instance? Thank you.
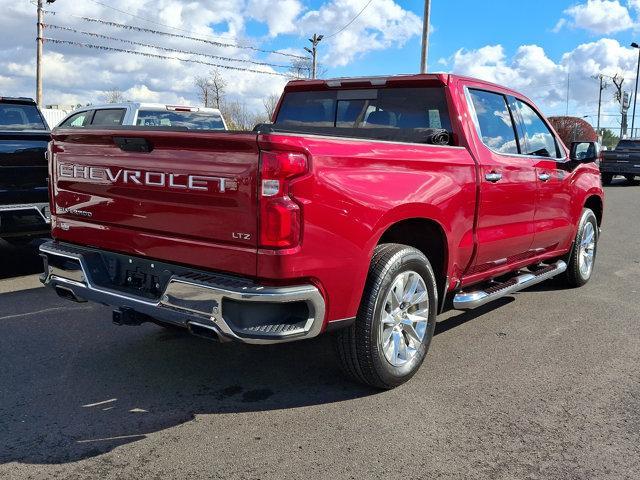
(472, 25)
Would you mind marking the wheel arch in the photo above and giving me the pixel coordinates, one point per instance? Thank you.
(427, 236)
(594, 203)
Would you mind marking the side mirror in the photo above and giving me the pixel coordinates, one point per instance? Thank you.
(585, 152)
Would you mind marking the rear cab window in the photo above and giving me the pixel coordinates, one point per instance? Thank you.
(392, 113)
(20, 116)
(186, 119)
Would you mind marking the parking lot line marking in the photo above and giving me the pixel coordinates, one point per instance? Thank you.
(106, 439)
(46, 310)
(99, 403)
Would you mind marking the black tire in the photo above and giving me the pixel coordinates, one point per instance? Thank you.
(607, 178)
(574, 276)
(631, 179)
(359, 347)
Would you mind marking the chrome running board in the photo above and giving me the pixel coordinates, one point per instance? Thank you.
(469, 300)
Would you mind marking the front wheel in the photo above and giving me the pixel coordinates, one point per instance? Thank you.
(607, 178)
(395, 323)
(583, 253)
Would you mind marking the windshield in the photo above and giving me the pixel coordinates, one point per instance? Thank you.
(189, 120)
(15, 116)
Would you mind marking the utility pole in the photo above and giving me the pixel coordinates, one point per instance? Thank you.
(635, 95)
(39, 56)
(315, 40)
(39, 42)
(425, 36)
(603, 85)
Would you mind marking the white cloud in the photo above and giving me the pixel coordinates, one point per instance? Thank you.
(82, 75)
(383, 24)
(533, 73)
(279, 16)
(599, 16)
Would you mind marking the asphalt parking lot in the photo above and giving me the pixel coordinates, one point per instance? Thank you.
(544, 384)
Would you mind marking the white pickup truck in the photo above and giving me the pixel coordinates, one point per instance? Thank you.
(145, 115)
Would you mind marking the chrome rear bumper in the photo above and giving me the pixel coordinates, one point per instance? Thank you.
(195, 299)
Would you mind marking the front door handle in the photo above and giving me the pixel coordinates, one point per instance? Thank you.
(493, 177)
(544, 176)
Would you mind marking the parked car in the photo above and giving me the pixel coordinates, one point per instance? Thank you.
(365, 208)
(145, 115)
(623, 160)
(24, 201)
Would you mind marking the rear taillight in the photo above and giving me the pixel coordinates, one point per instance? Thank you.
(280, 215)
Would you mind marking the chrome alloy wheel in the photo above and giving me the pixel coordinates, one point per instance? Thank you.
(587, 250)
(405, 318)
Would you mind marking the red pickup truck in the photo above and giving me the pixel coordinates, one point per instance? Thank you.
(365, 208)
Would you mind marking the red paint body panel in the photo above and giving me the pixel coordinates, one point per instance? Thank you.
(354, 191)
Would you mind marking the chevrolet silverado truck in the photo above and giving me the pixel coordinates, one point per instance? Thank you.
(623, 160)
(367, 207)
(24, 201)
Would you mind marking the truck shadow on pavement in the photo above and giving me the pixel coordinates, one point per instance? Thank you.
(18, 260)
(74, 386)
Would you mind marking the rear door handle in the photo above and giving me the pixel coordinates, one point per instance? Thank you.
(493, 177)
(544, 176)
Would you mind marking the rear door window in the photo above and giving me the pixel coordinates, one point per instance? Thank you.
(77, 120)
(108, 117)
(493, 121)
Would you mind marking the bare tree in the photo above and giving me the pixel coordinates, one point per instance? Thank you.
(237, 115)
(114, 96)
(302, 68)
(270, 103)
(211, 88)
(203, 86)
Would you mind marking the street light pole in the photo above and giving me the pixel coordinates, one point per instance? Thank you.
(635, 95)
(315, 40)
(425, 36)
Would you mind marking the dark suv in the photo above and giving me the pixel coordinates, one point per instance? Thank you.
(24, 201)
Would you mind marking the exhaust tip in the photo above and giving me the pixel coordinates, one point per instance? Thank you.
(69, 294)
(203, 331)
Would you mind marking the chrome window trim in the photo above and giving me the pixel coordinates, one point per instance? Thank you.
(474, 119)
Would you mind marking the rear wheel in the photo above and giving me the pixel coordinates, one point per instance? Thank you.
(631, 179)
(607, 178)
(583, 253)
(395, 323)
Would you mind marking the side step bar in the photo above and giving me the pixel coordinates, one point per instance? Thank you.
(469, 300)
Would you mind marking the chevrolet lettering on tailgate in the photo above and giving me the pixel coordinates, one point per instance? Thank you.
(177, 181)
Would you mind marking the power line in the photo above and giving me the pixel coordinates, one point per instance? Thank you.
(350, 21)
(165, 49)
(153, 21)
(184, 37)
(155, 55)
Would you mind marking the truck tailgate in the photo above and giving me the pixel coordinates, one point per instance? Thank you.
(158, 193)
